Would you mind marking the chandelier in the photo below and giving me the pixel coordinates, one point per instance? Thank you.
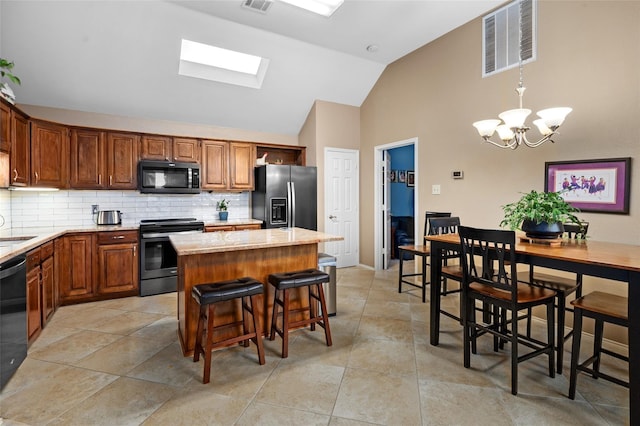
(513, 131)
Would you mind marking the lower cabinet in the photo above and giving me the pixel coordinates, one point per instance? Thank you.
(41, 285)
(76, 272)
(222, 228)
(118, 262)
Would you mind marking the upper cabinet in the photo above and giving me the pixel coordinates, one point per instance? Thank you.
(88, 159)
(5, 127)
(122, 160)
(49, 155)
(187, 150)
(20, 155)
(282, 154)
(227, 166)
(241, 161)
(165, 148)
(214, 165)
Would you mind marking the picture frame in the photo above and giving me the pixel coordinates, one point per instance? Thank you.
(392, 176)
(599, 186)
(402, 176)
(411, 179)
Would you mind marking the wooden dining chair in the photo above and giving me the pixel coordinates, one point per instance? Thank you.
(421, 250)
(495, 283)
(440, 226)
(564, 287)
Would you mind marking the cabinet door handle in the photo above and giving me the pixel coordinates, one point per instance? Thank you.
(134, 250)
(15, 175)
(110, 180)
(118, 237)
(100, 179)
(36, 173)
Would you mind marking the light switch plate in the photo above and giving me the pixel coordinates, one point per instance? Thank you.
(435, 189)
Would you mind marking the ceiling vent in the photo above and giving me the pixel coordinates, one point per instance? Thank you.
(258, 5)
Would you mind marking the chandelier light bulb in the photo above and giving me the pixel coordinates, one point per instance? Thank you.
(505, 132)
(486, 128)
(554, 117)
(515, 117)
(542, 127)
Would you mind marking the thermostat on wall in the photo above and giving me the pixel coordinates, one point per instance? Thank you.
(457, 174)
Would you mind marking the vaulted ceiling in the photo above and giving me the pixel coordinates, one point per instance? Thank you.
(121, 57)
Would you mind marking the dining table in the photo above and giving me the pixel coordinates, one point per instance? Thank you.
(608, 260)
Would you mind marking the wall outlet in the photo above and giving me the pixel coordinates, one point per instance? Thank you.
(435, 189)
(94, 209)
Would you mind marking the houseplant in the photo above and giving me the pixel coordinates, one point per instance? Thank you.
(5, 72)
(539, 214)
(222, 207)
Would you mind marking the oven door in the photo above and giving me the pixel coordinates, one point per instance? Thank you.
(158, 258)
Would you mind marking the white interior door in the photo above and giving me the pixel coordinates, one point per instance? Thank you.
(341, 195)
(386, 210)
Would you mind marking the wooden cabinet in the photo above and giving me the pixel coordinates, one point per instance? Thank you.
(20, 156)
(40, 288)
(76, 274)
(221, 228)
(282, 154)
(122, 160)
(214, 173)
(165, 148)
(88, 159)
(187, 150)
(242, 158)
(118, 262)
(47, 282)
(227, 165)
(49, 155)
(34, 316)
(5, 127)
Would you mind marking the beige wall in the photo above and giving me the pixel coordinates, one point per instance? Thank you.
(329, 125)
(588, 58)
(106, 121)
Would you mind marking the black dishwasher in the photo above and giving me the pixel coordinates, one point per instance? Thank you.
(13, 316)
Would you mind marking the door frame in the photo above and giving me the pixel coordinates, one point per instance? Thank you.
(377, 202)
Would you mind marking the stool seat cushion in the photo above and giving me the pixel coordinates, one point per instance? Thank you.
(226, 290)
(302, 278)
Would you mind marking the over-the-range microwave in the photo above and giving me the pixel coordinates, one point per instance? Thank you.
(165, 177)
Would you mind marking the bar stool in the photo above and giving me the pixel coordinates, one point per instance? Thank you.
(602, 307)
(207, 295)
(283, 282)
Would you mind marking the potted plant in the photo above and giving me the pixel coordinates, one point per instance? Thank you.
(539, 214)
(5, 72)
(222, 206)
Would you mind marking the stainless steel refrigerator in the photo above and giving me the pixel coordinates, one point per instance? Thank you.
(285, 196)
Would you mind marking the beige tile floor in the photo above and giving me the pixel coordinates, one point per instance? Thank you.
(118, 362)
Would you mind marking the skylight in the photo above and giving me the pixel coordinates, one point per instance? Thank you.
(321, 7)
(217, 64)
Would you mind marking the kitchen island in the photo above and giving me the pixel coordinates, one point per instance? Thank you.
(211, 257)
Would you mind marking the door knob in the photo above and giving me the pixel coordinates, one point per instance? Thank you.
(332, 217)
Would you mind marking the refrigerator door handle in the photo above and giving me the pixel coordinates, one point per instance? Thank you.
(293, 204)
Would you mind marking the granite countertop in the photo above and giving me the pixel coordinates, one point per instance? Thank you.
(213, 242)
(19, 240)
(15, 241)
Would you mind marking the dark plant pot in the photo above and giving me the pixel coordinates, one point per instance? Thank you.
(223, 215)
(542, 230)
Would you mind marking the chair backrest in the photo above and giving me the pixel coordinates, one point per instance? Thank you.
(575, 231)
(493, 248)
(443, 225)
(429, 215)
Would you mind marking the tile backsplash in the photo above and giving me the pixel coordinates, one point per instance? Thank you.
(73, 208)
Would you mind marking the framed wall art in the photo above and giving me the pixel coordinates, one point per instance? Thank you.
(601, 186)
(411, 178)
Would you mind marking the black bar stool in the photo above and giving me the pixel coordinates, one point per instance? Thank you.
(207, 295)
(603, 307)
(283, 282)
